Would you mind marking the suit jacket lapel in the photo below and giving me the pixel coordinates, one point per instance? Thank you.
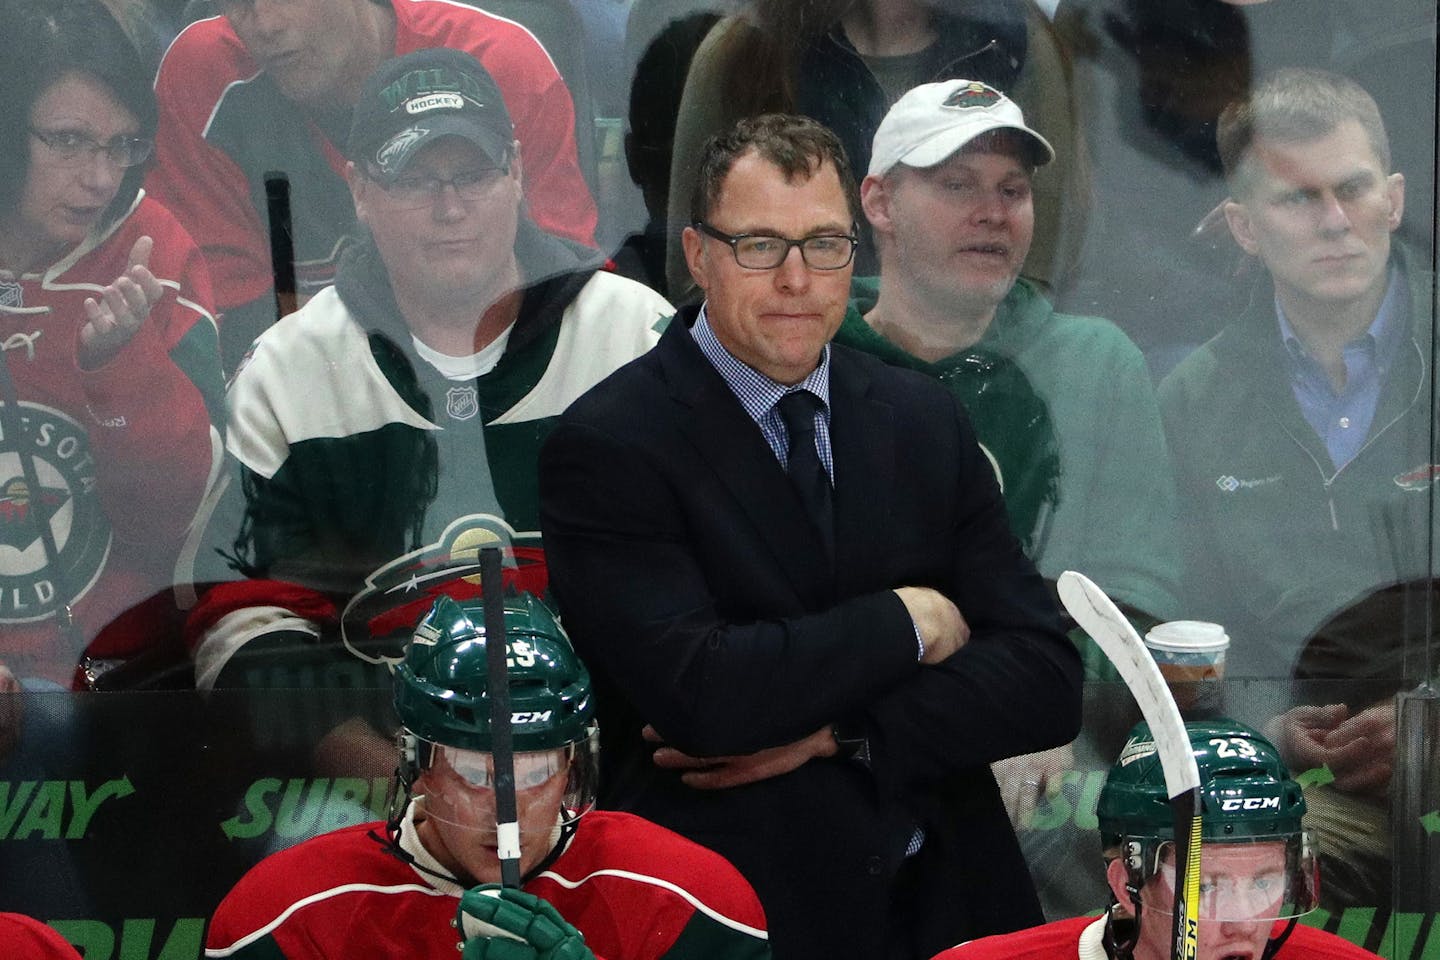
(731, 445)
(862, 435)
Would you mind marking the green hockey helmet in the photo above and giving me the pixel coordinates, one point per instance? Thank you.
(1246, 789)
(442, 686)
(443, 699)
(1247, 797)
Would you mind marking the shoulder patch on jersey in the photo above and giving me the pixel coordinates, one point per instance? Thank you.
(1420, 479)
(33, 584)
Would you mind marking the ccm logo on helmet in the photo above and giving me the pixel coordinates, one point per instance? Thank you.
(540, 716)
(1251, 803)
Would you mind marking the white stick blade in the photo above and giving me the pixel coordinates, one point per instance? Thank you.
(1098, 616)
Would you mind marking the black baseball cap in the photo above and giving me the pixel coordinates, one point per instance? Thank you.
(415, 99)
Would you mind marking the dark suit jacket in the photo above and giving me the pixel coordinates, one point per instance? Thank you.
(698, 593)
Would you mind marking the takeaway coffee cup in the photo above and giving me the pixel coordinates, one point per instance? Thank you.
(1191, 658)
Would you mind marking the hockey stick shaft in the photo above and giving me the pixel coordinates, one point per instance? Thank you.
(497, 650)
(1098, 616)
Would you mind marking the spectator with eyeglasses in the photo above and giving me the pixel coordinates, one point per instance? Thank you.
(788, 567)
(417, 389)
(110, 384)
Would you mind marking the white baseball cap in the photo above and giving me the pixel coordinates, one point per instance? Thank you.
(931, 121)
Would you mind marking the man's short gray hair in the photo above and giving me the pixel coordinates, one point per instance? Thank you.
(1292, 105)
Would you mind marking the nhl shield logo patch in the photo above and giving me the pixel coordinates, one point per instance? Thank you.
(11, 294)
(462, 403)
(973, 94)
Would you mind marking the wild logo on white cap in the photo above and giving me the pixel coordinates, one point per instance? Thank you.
(972, 96)
(933, 121)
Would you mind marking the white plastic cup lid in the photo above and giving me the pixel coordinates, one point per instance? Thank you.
(1187, 636)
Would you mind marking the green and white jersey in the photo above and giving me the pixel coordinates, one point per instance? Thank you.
(352, 449)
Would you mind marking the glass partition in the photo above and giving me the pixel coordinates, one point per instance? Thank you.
(1211, 388)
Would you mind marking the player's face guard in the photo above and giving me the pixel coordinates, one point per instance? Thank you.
(1257, 879)
(553, 788)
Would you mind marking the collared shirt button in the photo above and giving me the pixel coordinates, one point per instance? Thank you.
(1344, 423)
(872, 866)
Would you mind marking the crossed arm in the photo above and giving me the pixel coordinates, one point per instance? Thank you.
(737, 698)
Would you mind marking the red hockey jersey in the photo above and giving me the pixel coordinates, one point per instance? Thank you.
(635, 890)
(122, 454)
(1080, 939)
(27, 939)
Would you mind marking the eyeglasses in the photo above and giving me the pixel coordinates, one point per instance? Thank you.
(424, 189)
(758, 251)
(71, 146)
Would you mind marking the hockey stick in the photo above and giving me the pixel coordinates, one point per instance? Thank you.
(1098, 616)
(497, 649)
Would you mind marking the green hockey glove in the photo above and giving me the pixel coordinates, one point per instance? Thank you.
(499, 923)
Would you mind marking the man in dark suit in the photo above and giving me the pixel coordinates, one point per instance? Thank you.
(782, 666)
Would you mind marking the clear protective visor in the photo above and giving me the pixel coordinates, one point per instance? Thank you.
(1267, 878)
(552, 787)
(532, 769)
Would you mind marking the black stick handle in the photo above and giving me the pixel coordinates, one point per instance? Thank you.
(497, 650)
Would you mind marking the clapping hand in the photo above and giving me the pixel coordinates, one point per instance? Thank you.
(1362, 750)
(112, 319)
(1358, 749)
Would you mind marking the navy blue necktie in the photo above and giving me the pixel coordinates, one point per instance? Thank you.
(804, 468)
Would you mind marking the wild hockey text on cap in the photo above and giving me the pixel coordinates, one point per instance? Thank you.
(417, 85)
